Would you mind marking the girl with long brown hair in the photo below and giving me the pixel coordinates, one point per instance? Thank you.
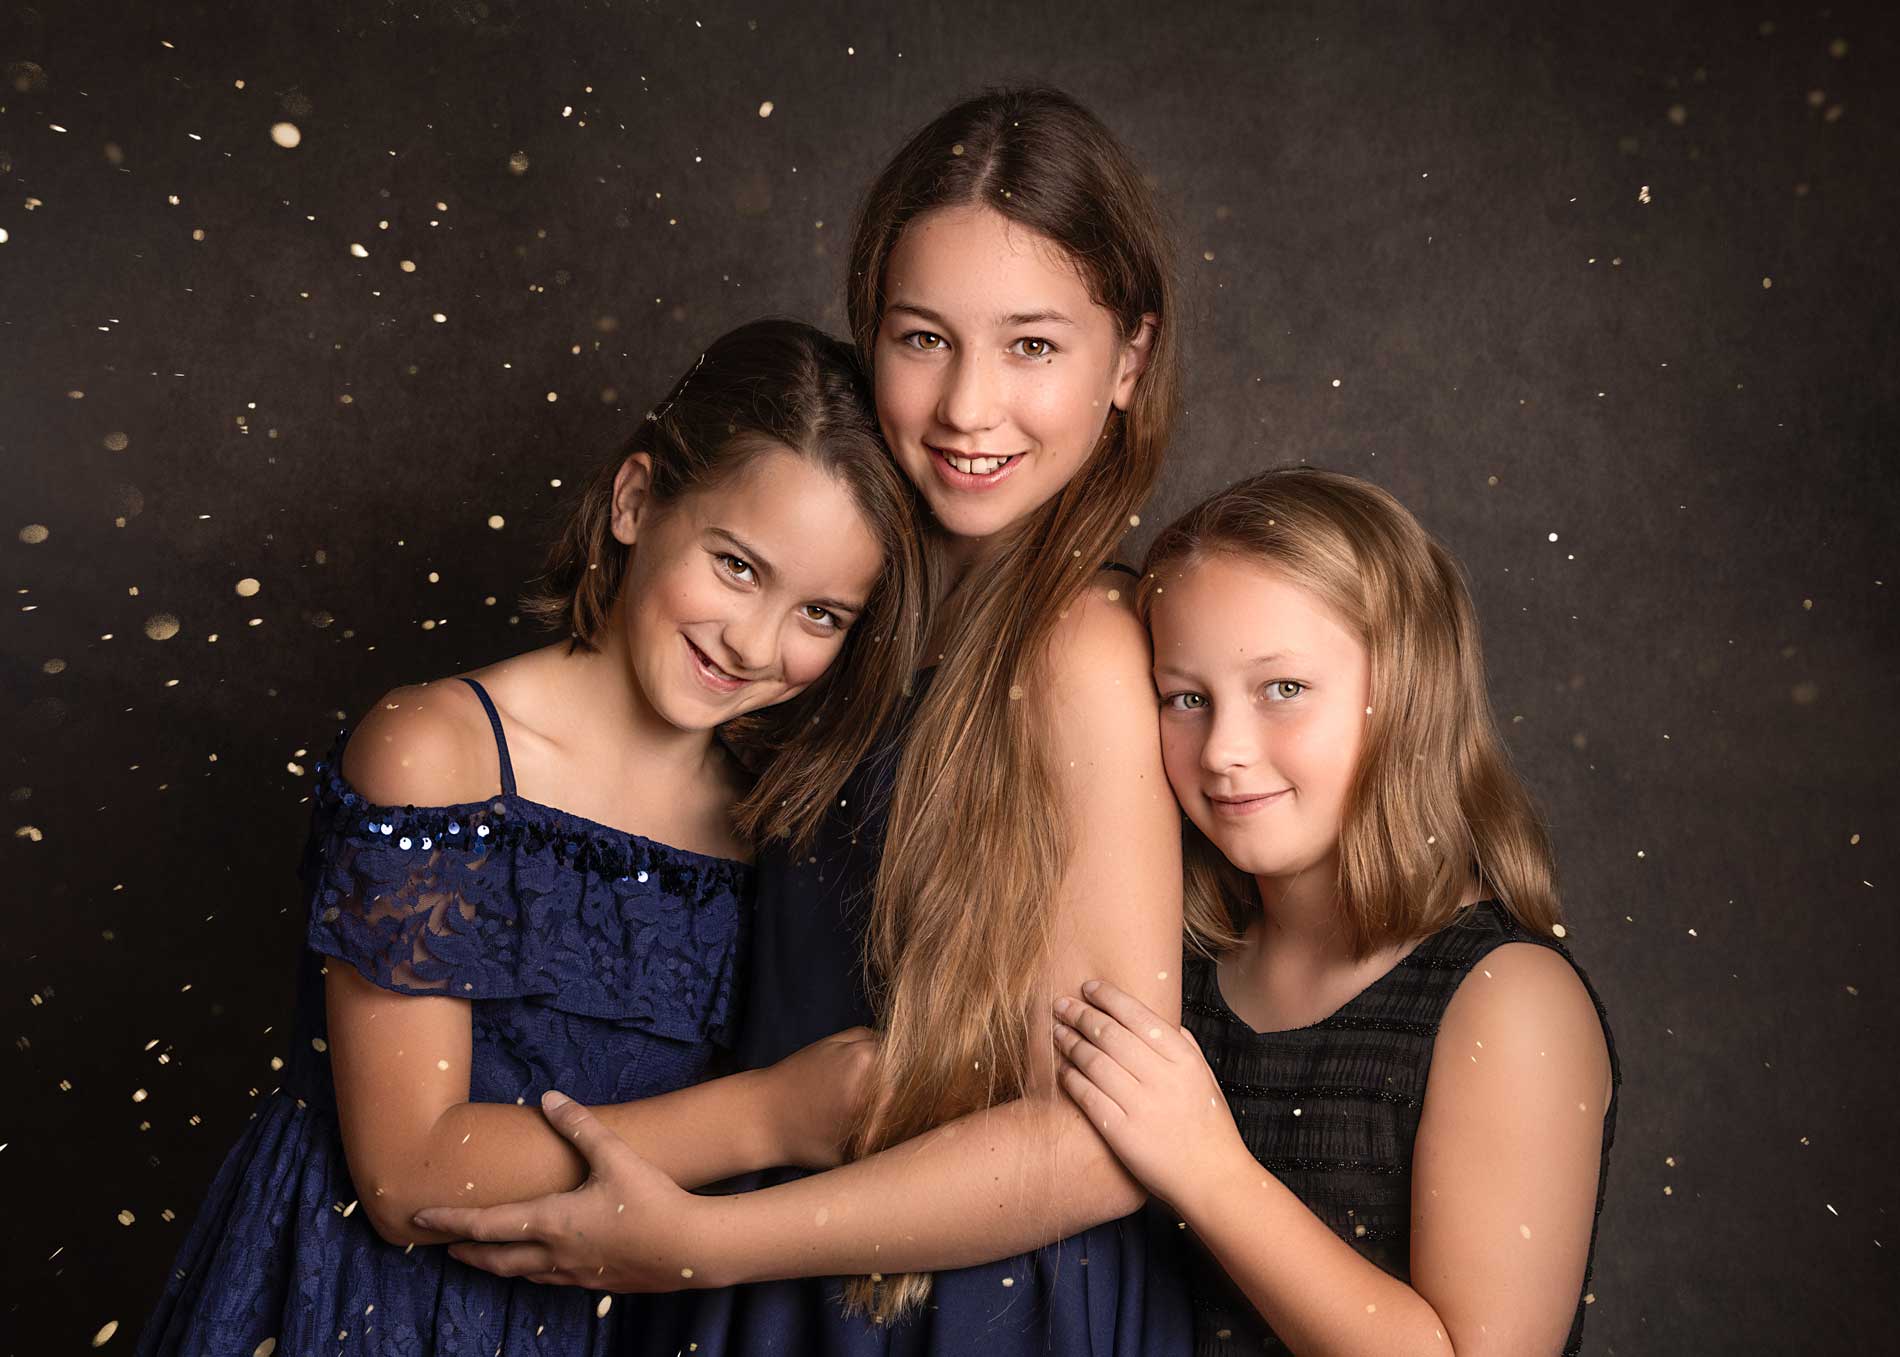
(1389, 1114)
(533, 875)
(1011, 292)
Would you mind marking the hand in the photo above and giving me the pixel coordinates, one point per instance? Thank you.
(816, 1094)
(625, 1229)
(1147, 1088)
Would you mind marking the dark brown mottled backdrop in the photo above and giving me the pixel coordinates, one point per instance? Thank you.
(1608, 296)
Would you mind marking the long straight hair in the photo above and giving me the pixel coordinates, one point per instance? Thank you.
(959, 929)
(769, 386)
(1434, 800)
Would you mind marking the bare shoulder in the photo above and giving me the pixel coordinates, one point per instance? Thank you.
(1529, 1008)
(428, 744)
(1099, 652)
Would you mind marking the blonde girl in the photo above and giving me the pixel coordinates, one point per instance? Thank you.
(1388, 1116)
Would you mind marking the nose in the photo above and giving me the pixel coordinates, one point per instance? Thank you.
(751, 636)
(969, 399)
(1231, 742)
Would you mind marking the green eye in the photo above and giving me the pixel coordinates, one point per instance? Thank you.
(1184, 701)
(1284, 690)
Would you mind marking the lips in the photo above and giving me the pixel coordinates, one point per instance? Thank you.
(1249, 803)
(972, 470)
(711, 674)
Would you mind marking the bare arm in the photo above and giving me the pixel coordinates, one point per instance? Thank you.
(1016, 1176)
(988, 1185)
(1504, 1171)
(401, 1061)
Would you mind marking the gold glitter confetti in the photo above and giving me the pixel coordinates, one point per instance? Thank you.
(407, 266)
(1015, 692)
(126, 1217)
(765, 109)
(686, 1272)
(161, 626)
(497, 522)
(606, 1304)
(106, 1330)
(1134, 520)
(53, 667)
(442, 1064)
(35, 533)
(139, 1095)
(1524, 1230)
(1559, 931)
(286, 135)
(359, 251)
(319, 1045)
(116, 442)
(247, 587)
(518, 163)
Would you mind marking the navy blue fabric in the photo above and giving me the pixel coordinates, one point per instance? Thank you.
(501, 737)
(594, 961)
(1112, 1291)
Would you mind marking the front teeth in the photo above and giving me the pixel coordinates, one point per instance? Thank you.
(974, 466)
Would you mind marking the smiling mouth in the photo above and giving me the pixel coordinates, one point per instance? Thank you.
(979, 466)
(1245, 805)
(712, 674)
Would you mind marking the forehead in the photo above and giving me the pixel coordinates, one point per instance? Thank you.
(1226, 608)
(974, 264)
(802, 518)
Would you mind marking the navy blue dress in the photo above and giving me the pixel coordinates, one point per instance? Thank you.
(595, 961)
(1112, 1291)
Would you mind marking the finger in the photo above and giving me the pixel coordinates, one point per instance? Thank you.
(1136, 1016)
(606, 1153)
(506, 1224)
(1100, 1068)
(1103, 1112)
(507, 1260)
(1107, 1033)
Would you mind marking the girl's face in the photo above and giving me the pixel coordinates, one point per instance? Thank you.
(995, 370)
(1263, 708)
(739, 597)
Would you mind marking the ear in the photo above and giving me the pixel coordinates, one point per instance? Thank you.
(1134, 361)
(631, 500)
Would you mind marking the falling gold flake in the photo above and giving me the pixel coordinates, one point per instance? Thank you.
(441, 1064)
(606, 1304)
(407, 266)
(54, 666)
(198, 233)
(319, 1045)
(286, 135)
(126, 1217)
(518, 163)
(497, 522)
(1524, 1230)
(35, 533)
(1009, 1281)
(139, 1095)
(265, 1348)
(765, 109)
(116, 442)
(359, 251)
(106, 1330)
(1015, 692)
(1767, 283)
(247, 587)
(161, 626)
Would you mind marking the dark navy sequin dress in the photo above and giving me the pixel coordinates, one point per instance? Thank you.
(595, 961)
(1112, 1291)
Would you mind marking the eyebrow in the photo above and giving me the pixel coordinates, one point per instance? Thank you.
(757, 560)
(1010, 321)
(1252, 662)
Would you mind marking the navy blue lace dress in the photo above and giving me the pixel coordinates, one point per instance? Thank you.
(1112, 1291)
(595, 961)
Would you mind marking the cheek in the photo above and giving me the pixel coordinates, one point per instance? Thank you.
(1181, 755)
(807, 657)
(905, 398)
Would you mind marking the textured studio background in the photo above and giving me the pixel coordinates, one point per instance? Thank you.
(1608, 297)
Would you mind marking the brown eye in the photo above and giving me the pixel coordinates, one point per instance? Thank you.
(1035, 348)
(927, 340)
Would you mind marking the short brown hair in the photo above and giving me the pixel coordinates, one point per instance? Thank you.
(1434, 800)
(767, 386)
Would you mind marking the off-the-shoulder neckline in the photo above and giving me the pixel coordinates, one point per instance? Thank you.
(333, 770)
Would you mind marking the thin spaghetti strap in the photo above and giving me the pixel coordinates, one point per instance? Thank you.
(501, 740)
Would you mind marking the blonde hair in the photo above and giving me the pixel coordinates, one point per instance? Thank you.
(959, 927)
(1434, 800)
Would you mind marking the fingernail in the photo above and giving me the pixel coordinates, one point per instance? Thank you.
(422, 1220)
(1062, 1004)
(554, 1098)
(1091, 986)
